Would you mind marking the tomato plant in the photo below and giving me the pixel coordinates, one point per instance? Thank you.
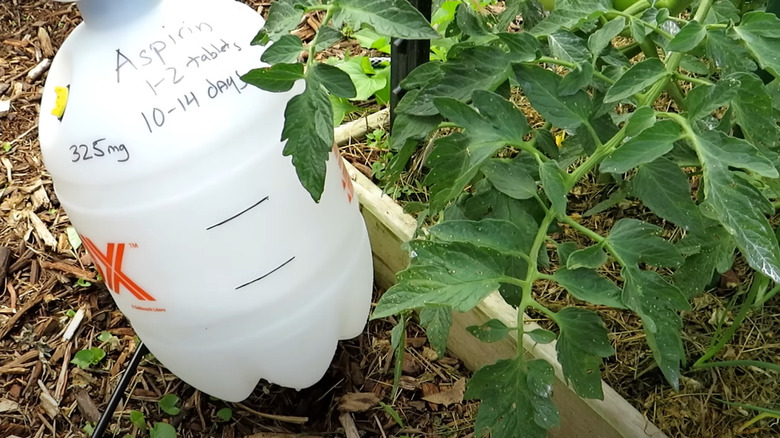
(308, 128)
(705, 165)
(689, 130)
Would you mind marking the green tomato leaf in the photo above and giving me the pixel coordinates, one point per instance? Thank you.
(724, 12)
(513, 177)
(498, 120)
(658, 304)
(650, 144)
(602, 38)
(568, 47)
(612, 200)
(542, 336)
(757, 40)
(286, 50)
(496, 234)
(587, 285)
(541, 86)
(640, 120)
(522, 46)
(737, 204)
(457, 275)
(688, 38)
(577, 79)
(491, 331)
(665, 190)
(635, 241)
(454, 161)
(334, 79)
(326, 37)
(516, 399)
(636, 79)
(169, 404)
(283, 17)
(407, 132)
(590, 257)
(162, 430)
(423, 75)
(704, 99)
(554, 185)
(760, 24)
(470, 22)
(394, 18)
(714, 252)
(752, 106)
(308, 129)
(694, 65)
(471, 68)
(735, 152)
(727, 52)
(277, 78)
(437, 322)
(581, 345)
(569, 15)
(564, 250)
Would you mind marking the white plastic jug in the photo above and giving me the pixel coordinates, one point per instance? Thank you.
(171, 169)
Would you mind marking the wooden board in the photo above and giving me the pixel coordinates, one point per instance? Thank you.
(389, 227)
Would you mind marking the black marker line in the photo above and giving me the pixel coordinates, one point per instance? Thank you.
(239, 214)
(266, 275)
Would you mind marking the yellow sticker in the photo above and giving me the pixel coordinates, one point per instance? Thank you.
(61, 102)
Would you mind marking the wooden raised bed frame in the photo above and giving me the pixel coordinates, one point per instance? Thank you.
(388, 227)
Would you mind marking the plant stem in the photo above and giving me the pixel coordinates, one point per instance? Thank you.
(650, 26)
(634, 9)
(691, 79)
(547, 312)
(572, 65)
(531, 275)
(583, 229)
(759, 282)
(328, 15)
(543, 276)
(592, 161)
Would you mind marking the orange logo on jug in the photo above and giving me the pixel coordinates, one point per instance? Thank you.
(109, 264)
(346, 181)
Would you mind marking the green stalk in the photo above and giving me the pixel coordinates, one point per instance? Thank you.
(594, 236)
(760, 282)
(328, 15)
(691, 79)
(572, 65)
(673, 60)
(547, 312)
(531, 275)
(592, 161)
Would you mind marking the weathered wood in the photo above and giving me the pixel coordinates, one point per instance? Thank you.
(357, 129)
(389, 227)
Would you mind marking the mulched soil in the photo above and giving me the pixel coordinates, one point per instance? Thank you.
(43, 395)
